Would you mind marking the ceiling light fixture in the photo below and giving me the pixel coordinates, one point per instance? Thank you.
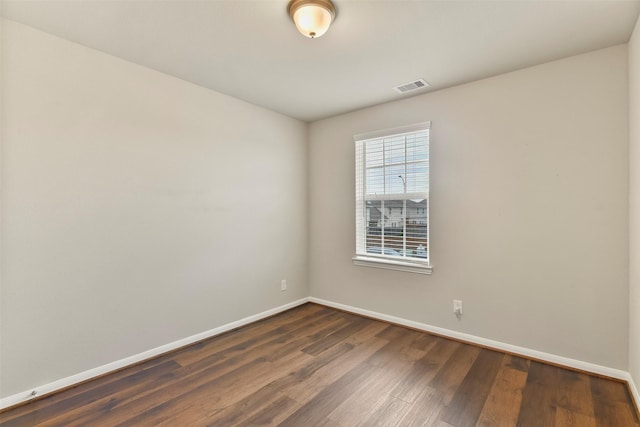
(312, 17)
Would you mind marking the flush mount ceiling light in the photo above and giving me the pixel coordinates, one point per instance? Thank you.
(312, 17)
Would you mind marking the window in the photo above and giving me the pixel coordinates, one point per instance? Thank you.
(392, 199)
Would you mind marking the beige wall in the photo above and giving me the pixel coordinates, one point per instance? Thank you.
(138, 209)
(634, 206)
(529, 209)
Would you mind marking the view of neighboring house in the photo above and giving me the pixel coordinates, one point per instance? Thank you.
(385, 227)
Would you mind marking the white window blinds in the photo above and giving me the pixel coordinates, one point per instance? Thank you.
(392, 194)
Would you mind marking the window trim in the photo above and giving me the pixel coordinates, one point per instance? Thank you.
(388, 264)
(401, 130)
(380, 261)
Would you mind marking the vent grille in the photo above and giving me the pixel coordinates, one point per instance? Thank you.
(408, 87)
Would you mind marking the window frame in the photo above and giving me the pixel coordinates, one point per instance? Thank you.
(361, 258)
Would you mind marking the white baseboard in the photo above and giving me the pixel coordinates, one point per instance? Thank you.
(101, 370)
(509, 348)
(526, 352)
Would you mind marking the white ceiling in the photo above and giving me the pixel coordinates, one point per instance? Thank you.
(252, 51)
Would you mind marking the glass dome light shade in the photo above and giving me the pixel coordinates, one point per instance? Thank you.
(312, 17)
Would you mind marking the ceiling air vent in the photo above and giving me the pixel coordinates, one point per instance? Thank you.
(411, 86)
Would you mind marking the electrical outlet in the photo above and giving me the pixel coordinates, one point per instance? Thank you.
(283, 285)
(457, 307)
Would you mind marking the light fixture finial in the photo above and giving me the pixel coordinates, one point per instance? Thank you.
(312, 17)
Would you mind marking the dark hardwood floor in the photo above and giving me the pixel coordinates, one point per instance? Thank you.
(315, 366)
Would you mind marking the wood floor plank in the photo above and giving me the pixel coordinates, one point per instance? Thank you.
(539, 396)
(274, 325)
(424, 370)
(611, 403)
(387, 413)
(424, 342)
(316, 366)
(329, 423)
(192, 378)
(63, 410)
(392, 332)
(255, 375)
(352, 410)
(149, 411)
(243, 343)
(359, 378)
(399, 347)
(426, 410)
(367, 334)
(273, 414)
(518, 363)
(86, 387)
(304, 391)
(320, 406)
(449, 377)
(574, 393)
(152, 401)
(470, 397)
(567, 418)
(320, 345)
(303, 337)
(503, 403)
(244, 408)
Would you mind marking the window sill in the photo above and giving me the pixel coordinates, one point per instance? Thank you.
(392, 265)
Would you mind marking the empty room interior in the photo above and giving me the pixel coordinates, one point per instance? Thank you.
(320, 213)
